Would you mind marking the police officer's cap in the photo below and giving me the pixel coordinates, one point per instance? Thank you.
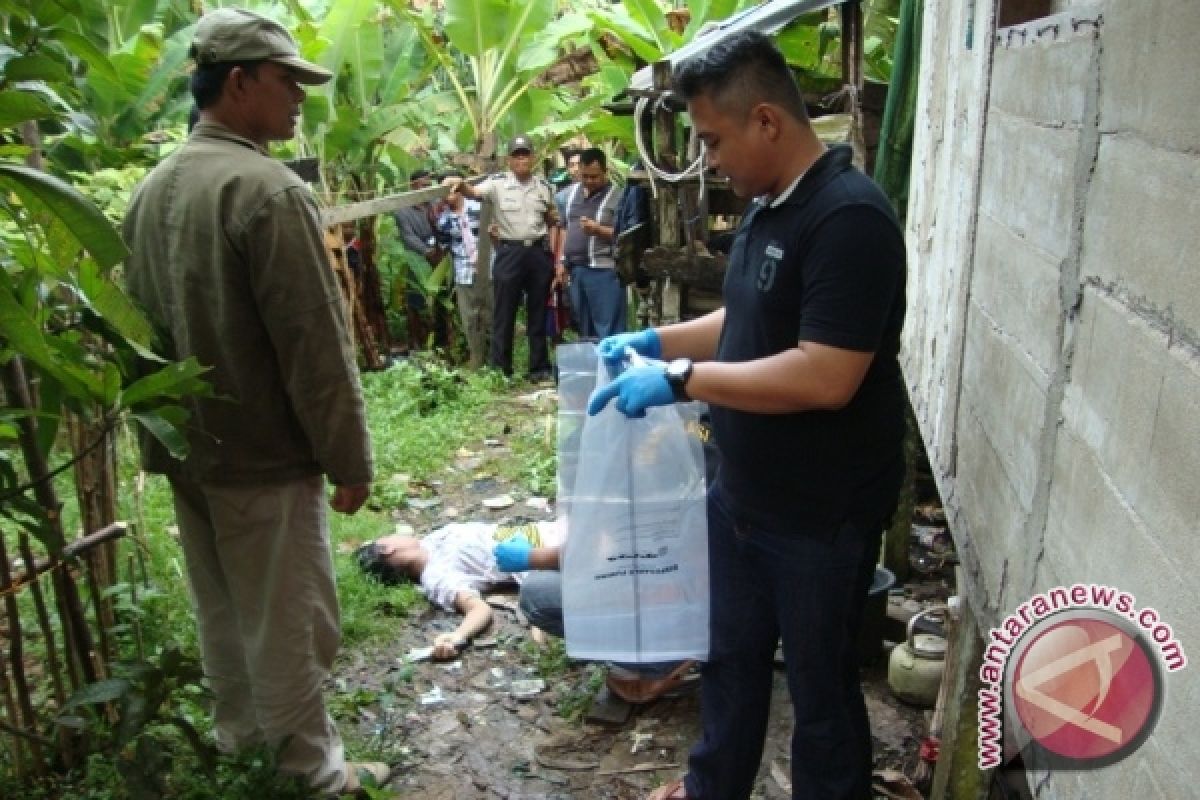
(520, 143)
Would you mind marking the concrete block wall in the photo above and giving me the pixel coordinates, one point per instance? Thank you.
(1053, 345)
(942, 194)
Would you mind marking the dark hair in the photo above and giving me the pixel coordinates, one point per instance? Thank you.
(593, 155)
(739, 73)
(209, 79)
(193, 118)
(570, 152)
(374, 564)
(417, 174)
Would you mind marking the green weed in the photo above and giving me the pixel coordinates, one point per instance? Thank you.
(575, 697)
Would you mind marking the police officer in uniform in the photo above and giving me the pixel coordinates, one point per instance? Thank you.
(525, 213)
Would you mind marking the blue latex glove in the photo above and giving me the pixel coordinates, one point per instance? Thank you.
(637, 389)
(512, 555)
(644, 342)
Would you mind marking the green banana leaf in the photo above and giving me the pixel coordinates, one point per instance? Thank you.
(18, 106)
(41, 192)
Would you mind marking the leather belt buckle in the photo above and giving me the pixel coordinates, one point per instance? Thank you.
(524, 242)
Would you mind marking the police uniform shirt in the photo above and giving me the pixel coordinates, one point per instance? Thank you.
(520, 208)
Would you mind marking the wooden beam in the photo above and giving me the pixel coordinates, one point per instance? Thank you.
(382, 205)
(73, 550)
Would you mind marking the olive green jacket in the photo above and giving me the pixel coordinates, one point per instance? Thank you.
(229, 261)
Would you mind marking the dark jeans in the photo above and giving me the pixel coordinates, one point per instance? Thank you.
(810, 589)
(520, 271)
(597, 301)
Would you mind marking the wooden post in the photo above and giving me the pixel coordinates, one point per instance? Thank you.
(475, 301)
(666, 205)
(957, 774)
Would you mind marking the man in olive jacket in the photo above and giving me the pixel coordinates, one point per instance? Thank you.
(228, 258)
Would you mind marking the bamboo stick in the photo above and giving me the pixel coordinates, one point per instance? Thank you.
(76, 548)
(53, 666)
(39, 603)
(26, 735)
(79, 641)
(136, 621)
(64, 621)
(16, 657)
(10, 707)
(91, 443)
(101, 608)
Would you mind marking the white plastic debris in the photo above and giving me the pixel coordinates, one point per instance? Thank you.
(498, 502)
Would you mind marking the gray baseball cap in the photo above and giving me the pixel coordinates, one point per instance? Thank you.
(234, 34)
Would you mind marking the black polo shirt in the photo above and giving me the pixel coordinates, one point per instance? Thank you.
(827, 265)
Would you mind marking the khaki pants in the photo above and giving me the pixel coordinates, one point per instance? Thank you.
(261, 575)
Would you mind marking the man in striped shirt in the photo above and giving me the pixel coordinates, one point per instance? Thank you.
(458, 232)
(597, 296)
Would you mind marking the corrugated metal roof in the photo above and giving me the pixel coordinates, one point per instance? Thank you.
(767, 18)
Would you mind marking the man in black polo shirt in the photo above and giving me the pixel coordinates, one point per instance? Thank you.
(800, 370)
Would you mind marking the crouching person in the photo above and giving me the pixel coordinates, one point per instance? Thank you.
(541, 601)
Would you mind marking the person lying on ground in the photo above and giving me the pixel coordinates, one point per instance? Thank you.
(454, 566)
(457, 563)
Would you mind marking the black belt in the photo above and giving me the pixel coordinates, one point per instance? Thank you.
(524, 242)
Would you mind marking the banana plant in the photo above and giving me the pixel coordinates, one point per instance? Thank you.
(490, 54)
(63, 316)
(116, 69)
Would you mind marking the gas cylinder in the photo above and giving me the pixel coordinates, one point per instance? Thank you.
(916, 665)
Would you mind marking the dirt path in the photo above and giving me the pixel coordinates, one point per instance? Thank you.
(488, 725)
(459, 731)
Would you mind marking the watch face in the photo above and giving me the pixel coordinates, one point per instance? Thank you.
(679, 369)
(678, 372)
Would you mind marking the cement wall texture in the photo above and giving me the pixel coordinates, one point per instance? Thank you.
(1052, 350)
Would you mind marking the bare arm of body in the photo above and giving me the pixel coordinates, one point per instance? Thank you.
(477, 616)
